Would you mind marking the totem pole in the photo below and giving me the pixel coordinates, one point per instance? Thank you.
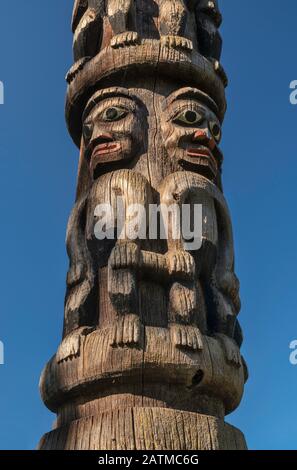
(150, 356)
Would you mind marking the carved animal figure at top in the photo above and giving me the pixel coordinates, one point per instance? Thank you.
(173, 16)
(88, 20)
(87, 26)
(122, 17)
(208, 18)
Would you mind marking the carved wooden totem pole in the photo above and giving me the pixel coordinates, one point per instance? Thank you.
(150, 354)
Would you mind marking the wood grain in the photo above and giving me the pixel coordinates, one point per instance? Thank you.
(150, 355)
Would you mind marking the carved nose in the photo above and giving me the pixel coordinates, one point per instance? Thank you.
(199, 135)
(100, 138)
(104, 137)
(204, 137)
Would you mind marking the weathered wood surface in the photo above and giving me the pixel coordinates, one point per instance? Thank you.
(150, 356)
(145, 428)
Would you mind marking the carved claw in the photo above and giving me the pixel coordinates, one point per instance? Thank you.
(181, 265)
(128, 38)
(186, 337)
(126, 331)
(177, 42)
(232, 352)
(125, 255)
(71, 344)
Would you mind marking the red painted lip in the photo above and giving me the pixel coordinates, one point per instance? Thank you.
(199, 152)
(107, 147)
(202, 152)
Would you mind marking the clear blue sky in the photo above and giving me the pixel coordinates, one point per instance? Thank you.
(37, 182)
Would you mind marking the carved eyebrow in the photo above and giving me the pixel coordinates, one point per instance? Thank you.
(115, 92)
(179, 108)
(192, 93)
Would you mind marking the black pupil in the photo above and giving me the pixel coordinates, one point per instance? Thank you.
(216, 129)
(111, 113)
(191, 116)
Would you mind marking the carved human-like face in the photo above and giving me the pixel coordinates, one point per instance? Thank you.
(191, 133)
(113, 132)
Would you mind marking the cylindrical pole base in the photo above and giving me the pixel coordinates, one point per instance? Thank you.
(145, 429)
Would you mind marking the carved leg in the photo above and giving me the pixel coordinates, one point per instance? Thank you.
(122, 288)
(182, 309)
(122, 17)
(182, 295)
(183, 301)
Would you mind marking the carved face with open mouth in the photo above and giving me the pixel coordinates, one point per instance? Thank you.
(112, 130)
(192, 132)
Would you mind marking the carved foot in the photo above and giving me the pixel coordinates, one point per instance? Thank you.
(186, 337)
(232, 352)
(177, 42)
(128, 38)
(71, 344)
(125, 255)
(126, 332)
(181, 265)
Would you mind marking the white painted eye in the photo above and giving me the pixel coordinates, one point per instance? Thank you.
(189, 117)
(114, 113)
(216, 130)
